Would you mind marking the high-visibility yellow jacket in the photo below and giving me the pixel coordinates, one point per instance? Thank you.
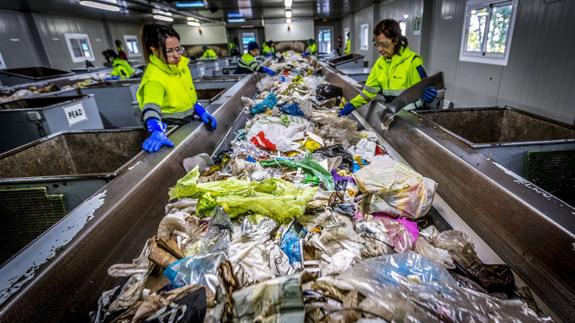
(391, 76)
(267, 50)
(166, 91)
(312, 48)
(347, 49)
(122, 69)
(210, 54)
(248, 64)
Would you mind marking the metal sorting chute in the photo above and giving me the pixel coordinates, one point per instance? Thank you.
(517, 222)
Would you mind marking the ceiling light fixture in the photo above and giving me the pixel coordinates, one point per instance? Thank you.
(288, 21)
(191, 4)
(163, 18)
(161, 12)
(288, 3)
(288, 13)
(99, 5)
(232, 20)
(193, 23)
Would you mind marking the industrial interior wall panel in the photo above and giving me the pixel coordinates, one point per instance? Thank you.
(209, 35)
(16, 45)
(446, 37)
(277, 30)
(364, 16)
(408, 11)
(540, 76)
(52, 30)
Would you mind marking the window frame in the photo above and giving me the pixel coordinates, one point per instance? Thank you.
(127, 38)
(482, 56)
(69, 37)
(363, 46)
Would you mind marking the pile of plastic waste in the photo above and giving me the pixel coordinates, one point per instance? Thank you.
(305, 217)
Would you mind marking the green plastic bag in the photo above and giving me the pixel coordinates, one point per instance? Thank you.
(309, 166)
(276, 198)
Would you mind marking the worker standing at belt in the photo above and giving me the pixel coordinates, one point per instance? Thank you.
(268, 49)
(208, 53)
(311, 48)
(347, 49)
(396, 70)
(166, 92)
(120, 68)
(248, 63)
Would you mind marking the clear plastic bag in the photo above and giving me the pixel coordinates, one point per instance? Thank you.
(409, 287)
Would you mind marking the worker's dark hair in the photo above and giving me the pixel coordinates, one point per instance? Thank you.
(110, 54)
(155, 35)
(390, 28)
(118, 43)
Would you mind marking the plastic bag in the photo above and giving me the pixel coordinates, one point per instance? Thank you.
(217, 237)
(408, 288)
(278, 199)
(292, 109)
(438, 255)
(249, 251)
(292, 243)
(273, 133)
(275, 300)
(198, 270)
(400, 234)
(268, 103)
(309, 165)
(399, 190)
(336, 151)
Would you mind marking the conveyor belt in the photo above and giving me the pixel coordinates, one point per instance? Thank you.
(55, 281)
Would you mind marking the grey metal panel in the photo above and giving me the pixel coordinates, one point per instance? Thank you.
(398, 10)
(16, 45)
(540, 76)
(52, 30)
(364, 16)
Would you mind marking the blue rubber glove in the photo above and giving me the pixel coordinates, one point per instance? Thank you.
(429, 94)
(157, 137)
(205, 116)
(269, 71)
(305, 54)
(347, 109)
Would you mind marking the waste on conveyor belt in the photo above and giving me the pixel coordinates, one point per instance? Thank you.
(304, 217)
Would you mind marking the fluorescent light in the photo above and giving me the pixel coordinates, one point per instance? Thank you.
(405, 16)
(235, 15)
(236, 19)
(190, 4)
(99, 5)
(288, 3)
(163, 18)
(193, 23)
(161, 12)
(288, 21)
(288, 13)
(192, 19)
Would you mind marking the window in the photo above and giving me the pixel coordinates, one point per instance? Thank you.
(2, 64)
(79, 47)
(403, 27)
(324, 40)
(132, 45)
(247, 37)
(364, 37)
(487, 31)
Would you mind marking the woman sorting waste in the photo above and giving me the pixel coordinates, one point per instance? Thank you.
(248, 63)
(121, 68)
(167, 91)
(397, 69)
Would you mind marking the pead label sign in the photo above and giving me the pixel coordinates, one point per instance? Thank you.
(75, 113)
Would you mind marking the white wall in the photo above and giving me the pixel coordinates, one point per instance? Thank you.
(210, 35)
(277, 30)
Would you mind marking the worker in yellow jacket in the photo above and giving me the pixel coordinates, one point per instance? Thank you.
(268, 49)
(347, 49)
(311, 48)
(208, 53)
(397, 69)
(248, 63)
(120, 68)
(166, 92)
